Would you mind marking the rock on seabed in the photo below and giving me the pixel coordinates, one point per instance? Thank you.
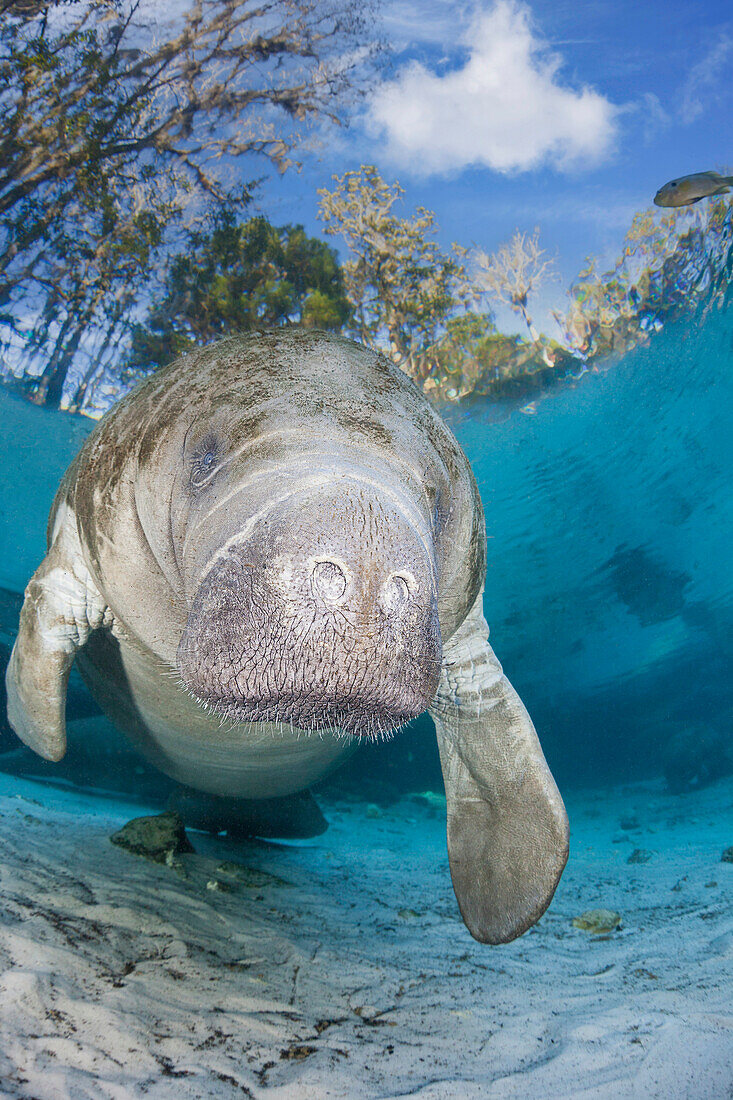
(159, 837)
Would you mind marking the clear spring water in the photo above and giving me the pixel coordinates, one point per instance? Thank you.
(610, 580)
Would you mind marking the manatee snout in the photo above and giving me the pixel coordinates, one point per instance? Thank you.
(335, 631)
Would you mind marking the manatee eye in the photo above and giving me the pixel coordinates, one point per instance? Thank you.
(205, 461)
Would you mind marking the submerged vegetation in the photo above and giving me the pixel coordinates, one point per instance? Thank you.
(126, 237)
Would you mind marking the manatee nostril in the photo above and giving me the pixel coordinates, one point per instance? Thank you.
(328, 580)
(395, 593)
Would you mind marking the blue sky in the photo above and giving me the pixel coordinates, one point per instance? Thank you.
(567, 116)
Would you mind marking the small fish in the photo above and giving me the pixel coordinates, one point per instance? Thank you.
(688, 189)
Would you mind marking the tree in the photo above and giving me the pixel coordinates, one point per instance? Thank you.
(117, 128)
(401, 285)
(665, 260)
(471, 356)
(513, 272)
(236, 277)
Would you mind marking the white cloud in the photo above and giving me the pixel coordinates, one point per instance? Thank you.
(705, 79)
(433, 24)
(505, 108)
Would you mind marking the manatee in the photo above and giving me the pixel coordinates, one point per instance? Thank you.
(272, 550)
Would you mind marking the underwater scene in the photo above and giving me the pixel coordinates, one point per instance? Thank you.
(366, 598)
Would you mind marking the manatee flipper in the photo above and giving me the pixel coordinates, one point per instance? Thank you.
(294, 816)
(61, 608)
(507, 825)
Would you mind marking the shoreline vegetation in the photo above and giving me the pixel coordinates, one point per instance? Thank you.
(417, 309)
(127, 238)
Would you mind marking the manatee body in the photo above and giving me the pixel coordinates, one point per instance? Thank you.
(272, 549)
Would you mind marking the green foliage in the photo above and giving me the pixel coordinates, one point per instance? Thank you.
(475, 360)
(122, 133)
(467, 353)
(237, 277)
(403, 288)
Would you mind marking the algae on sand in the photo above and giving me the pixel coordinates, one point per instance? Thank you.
(598, 921)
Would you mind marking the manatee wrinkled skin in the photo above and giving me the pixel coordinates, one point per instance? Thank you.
(269, 550)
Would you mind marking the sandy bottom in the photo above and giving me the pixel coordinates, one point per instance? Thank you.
(339, 967)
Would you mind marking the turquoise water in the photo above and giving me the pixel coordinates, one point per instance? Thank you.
(610, 580)
(36, 446)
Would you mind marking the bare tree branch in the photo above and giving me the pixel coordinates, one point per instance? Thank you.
(100, 101)
(514, 271)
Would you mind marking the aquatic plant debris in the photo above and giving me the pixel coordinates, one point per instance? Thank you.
(249, 876)
(640, 855)
(433, 803)
(598, 921)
